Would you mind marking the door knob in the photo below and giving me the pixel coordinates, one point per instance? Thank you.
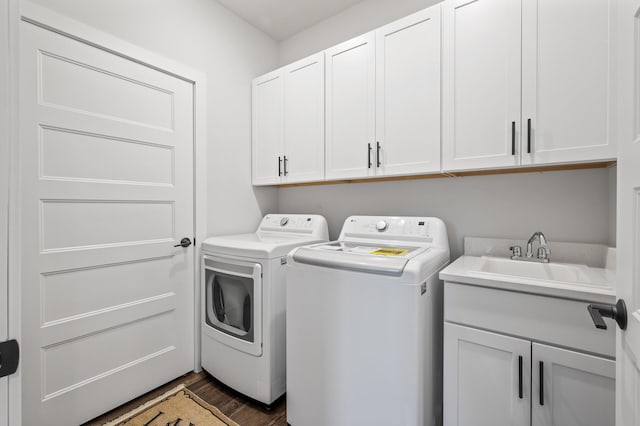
(185, 242)
(618, 312)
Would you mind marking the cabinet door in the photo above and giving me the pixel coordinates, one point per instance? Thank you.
(577, 389)
(487, 378)
(481, 84)
(351, 108)
(304, 120)
(568, 80)
(408, 94)
(267, 128)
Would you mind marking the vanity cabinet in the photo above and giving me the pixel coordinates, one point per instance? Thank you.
(571, 388)
(487, 380)
(493, 379)
(288, 124)
(527, 83)
(514, 358)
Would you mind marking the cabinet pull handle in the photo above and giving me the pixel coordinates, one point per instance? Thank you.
(369, 155)
(285, 165)
(541, 383)
(513, 138)
(279, 166)
(379, 163)
(520, 377)
(529, 136)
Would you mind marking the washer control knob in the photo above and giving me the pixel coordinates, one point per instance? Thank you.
(382, 226)
(284, 221)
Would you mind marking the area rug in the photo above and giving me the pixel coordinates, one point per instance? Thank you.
(177, 407)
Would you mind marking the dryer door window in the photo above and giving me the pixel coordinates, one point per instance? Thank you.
(230, 304)
(233, 302)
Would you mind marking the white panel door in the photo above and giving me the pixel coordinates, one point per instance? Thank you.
(481, 84)
(5, 121)
(408, 94)
(572, 389)
(627, 24)
(567, 81)
(107, 190)
(350, 120)
(487, 378)
(268, 128)
(304, 120)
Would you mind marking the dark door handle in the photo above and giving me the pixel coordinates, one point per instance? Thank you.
(513, 138)
(618, 312)
(9, 357)
(285, 165)
(520, 377)
(279, 166)
(378, 162)
(541, 383)
(369, 155)
(185, 242)
(529, 136)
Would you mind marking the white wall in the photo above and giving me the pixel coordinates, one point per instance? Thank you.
(356, 20)
(566, 205)
(206, 36)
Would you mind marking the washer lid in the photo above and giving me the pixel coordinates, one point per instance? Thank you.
(374, 259)
(259, 245)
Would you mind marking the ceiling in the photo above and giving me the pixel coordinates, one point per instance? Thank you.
(281, 19)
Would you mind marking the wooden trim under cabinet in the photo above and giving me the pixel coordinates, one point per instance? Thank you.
(580, 166)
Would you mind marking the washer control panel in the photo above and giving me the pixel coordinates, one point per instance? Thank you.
(305, 224)
(394, 226)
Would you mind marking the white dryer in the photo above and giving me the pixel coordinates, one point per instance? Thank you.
(364, 325)
(243, 303)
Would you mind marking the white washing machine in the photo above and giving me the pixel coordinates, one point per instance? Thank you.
(243, 303)
(364, 325)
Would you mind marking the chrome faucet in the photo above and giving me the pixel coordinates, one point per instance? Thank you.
(543, 251)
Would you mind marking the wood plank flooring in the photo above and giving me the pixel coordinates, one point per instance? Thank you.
(240, 409)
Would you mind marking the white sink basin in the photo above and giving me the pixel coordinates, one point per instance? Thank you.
(553, 272)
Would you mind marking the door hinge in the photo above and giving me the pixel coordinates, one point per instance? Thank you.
(9, 357)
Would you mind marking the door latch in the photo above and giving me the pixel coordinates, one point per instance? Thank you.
(618, 312)
(9, 357)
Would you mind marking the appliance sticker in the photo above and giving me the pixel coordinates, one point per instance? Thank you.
(389, 251)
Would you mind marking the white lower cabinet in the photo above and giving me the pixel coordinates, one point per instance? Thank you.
(492, 379)
(571, 388)
(487, 378)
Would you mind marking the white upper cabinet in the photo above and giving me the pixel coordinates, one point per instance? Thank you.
(567, 81)
(304, 120)
(408, 95)
(288, 124)
(350, 109)
(481, 84)
(463, 85)
(268, 128)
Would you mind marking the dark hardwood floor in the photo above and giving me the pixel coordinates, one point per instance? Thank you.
(239, 408)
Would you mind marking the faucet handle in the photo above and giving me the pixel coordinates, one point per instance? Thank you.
(543, 253)
(516, 252)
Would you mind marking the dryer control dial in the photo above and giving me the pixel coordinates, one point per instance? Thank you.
(284, 221)
(382, 226)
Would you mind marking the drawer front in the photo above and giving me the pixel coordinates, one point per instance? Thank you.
(544, 319)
